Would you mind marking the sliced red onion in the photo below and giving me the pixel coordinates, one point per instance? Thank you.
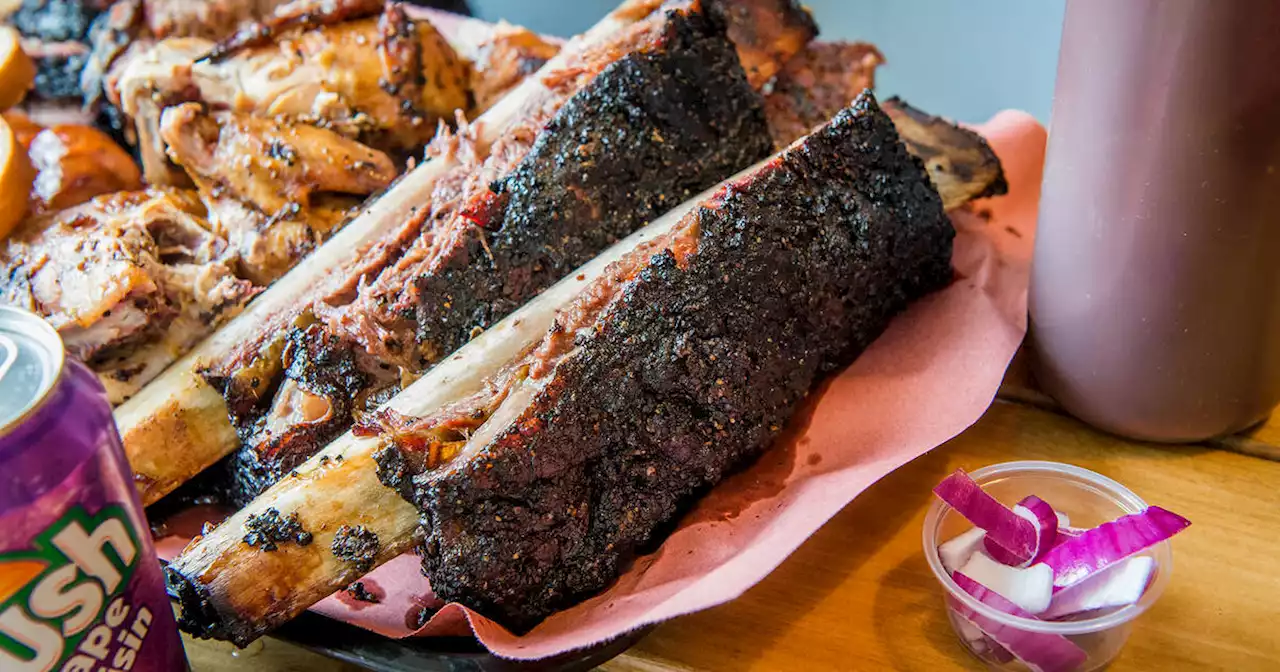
(1096, 549)
(1039, 651)
(1031, 588)
(955, 552)
(1066, 534)
(1120, 585)
(1012, 532)
(1063, 520)
(998, 653)
(1045, 520)
(979, 642)
(967, 630)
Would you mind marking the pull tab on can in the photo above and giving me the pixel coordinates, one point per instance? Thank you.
(8, 355)
(31, 359)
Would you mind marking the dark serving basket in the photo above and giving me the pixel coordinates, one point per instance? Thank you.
(444, 654)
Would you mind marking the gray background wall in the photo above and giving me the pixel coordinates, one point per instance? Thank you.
(965, 59)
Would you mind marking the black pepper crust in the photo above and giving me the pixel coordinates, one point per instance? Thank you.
(359, 593)
(654, 128)
(357, 545)
(691, 372)
(269, 529)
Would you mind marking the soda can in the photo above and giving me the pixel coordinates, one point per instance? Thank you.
(81, 589)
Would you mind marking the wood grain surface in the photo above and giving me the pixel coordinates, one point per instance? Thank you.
(859, 596)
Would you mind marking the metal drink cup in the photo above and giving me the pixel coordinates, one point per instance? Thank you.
(80, 587)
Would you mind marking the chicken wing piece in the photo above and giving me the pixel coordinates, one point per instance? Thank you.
(385, 80)
(270, 164)
(217, 19)
(354, 76)
(141, 83)
(212, 19)
(299, 14)
(271, 186)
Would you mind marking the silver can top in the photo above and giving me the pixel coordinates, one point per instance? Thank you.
(31, 359)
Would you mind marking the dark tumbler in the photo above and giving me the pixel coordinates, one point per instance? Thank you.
(1155, 294)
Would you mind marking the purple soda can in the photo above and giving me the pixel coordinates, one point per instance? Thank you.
(81, 589)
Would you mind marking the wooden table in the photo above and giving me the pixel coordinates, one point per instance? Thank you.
(859, 596)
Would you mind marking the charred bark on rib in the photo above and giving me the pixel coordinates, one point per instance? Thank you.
(652, 131)
(690, 373)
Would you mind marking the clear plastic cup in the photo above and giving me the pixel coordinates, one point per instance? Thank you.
(1088, 499)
